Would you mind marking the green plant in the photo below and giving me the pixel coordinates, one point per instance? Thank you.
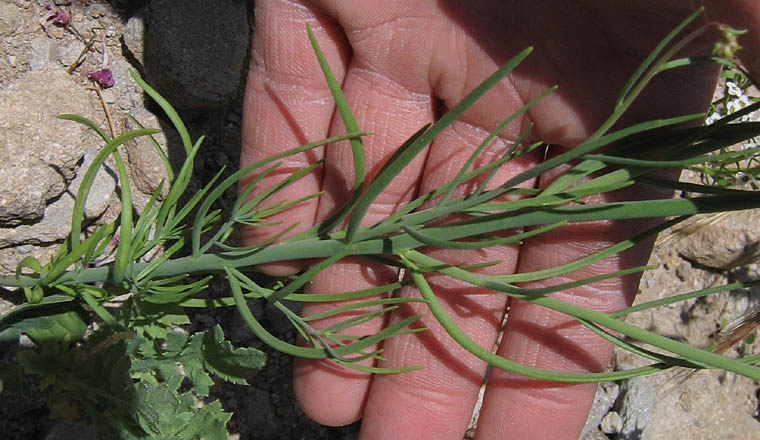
(743, 171)
(135, 351)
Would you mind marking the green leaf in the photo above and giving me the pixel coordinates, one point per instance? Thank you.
(194, 366)
(153, 321)
(230, 364)
(404, 155)
(61, 327)
(33, 294)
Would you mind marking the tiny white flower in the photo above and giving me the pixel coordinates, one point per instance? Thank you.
(713, 118)
(743, 178)
(749, 145)
(737, 104)
(733, 89)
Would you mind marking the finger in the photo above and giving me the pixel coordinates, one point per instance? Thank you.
(519, 407)
(287, 104)
(436, 401)
(392, 111)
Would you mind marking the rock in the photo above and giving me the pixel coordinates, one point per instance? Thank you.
(43, 50)
(606, 395)
(147, 169)
(595, 434)
(12, 256)
(133, 36)
(39, 154)
(730, 240)
(97, 10)
(69, 54)
(55, 225)
(718, 405)
(611, 423)
(195, 51)
(711, 404)
(638, 399)
(11, 18)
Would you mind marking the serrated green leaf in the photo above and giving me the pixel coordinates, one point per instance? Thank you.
(155, 407)
(197, 374)
(155, 320)
(209, 423)
(163, 414)
(230, 364)
(174, 343)
(65, 327)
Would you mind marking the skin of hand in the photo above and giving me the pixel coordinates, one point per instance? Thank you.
(401, 65)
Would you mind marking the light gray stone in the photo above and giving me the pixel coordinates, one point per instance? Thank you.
(201, 68)
(43, 50)
(731, 240)
(710, 405)
(11, 18)
(12, 256)
(606, 395)
(147, 169)
(69, 54)
(39, 153)
(638, 399)
(56, 223)
(611, 423)
(133, 36)
(97, 10)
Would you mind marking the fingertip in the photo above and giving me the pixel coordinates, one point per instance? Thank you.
(282, 268)
(328, 393)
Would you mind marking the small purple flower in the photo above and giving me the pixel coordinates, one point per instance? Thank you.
(103, 76)
(61, 18)
(58, 16)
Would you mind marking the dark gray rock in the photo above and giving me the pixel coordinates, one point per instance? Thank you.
(195, 50)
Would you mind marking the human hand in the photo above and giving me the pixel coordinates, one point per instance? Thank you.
(401, 65)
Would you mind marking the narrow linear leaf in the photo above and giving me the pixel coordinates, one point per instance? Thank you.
(349, 122)
(415, 144)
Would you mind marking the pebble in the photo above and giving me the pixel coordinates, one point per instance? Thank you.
(611, 423)
(96, 10)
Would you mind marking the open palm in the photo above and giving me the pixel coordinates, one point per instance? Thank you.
(402, 64)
